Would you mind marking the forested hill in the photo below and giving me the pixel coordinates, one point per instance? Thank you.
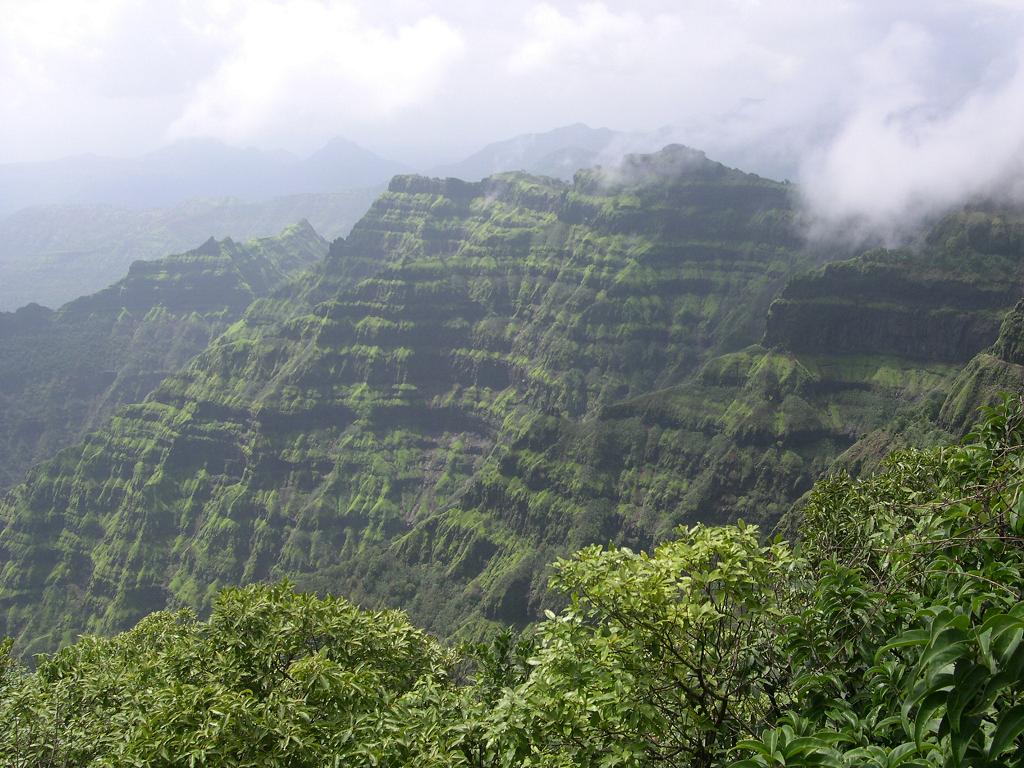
(485, 376)
(337, 417)
(64, 372)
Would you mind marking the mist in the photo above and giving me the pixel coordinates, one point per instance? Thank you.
(884, 113)
(901, 157)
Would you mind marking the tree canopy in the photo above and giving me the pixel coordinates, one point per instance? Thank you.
(887, 633)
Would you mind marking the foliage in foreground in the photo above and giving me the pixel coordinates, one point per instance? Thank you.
(890, 634)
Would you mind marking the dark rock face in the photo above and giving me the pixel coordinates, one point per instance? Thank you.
(896, 304)
(950, 335)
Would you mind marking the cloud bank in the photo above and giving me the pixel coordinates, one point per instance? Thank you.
(306, 62)
(899, 156)
(881, 110)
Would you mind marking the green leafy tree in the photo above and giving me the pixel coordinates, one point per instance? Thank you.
(272, 679)
(664, 658)
(908, 651)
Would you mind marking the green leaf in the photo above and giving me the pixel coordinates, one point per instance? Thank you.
(1009, 727)
(967, 684)
(908, 639)
(753, 745)
(926, 714)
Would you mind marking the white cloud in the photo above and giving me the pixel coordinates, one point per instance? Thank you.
(39, 39)
(903, 152)
(307, 65)
(696, 47)
(592, 36)
(891, 107)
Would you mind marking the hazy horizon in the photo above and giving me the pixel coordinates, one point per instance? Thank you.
(880, 111)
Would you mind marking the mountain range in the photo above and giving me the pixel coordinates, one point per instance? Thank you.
(73, 226)
(200, 168)
(66, 371)
(558, 153)
(483, 376)
(52, 254)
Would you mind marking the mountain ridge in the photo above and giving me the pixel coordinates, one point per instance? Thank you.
(67, 370)
(376, 386)
(200, 168)
(52, 254)
(485, 375)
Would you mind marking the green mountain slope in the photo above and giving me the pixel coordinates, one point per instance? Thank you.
(63, 373)
(992, 372)
(337, 418)
(53, 253)
(746, 436)
(888, 632)
(484, 376)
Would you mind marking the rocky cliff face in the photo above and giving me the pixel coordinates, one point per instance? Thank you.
(943, 304)
(483, 376)
(990, 373)
(903, 304)
(64, 372)
(313, 437)
(746, 436)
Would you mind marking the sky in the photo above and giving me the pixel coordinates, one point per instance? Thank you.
(877, 106)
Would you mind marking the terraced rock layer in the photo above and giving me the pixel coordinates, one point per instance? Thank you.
(65, 372)
(746, 436)
(336, 418)
(483, 376)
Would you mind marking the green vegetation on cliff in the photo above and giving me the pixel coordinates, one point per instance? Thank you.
(890, 633)
(65, 372)
(333, 425)
(486, 376)
(997, 369)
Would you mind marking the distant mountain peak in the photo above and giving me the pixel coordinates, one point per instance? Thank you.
(340, 146)
(209, 248)
(198, 168)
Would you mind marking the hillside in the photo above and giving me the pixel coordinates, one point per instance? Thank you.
(51, 254)
(65, 372)
(333, 419)
(887, 633)
(745, 437)
(485, 376)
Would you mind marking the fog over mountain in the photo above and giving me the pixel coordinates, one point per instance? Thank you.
(50, 254)
(188, 169)
(922, 96)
